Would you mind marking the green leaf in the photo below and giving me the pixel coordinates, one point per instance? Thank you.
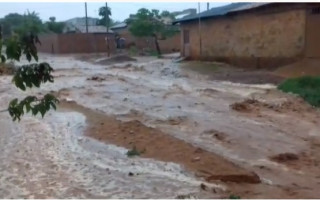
(53, 105)
(28, 56)
(35, 111)
(28, 107)
(42, 110)
(19, 83)
(3, 59)
(13, 102)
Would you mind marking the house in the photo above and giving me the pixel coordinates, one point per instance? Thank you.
(253, 34)
(78, 25)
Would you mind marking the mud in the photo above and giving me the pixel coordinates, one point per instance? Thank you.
(303, 67)
(115, 59)
(225, 72)
(155, 144)
(51, 157)
(285, 157)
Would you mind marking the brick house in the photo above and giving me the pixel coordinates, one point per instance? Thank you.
(253, 34)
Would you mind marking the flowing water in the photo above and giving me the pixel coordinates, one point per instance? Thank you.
(50, 157)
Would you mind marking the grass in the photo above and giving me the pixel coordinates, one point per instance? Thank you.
(133, 152)
(234, 197)
(307, 87)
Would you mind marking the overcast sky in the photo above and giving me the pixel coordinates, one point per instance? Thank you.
(120, 11)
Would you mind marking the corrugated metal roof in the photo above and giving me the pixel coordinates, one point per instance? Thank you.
(222, 10)
(120, 25)
(93, 29)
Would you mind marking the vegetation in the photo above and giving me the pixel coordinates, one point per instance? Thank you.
(133, 152)
(53, 26)
(150, 23)
(16, 23)
(30, 22)
(234, 197)
(307, 87)
(27, 76)
(102, 14)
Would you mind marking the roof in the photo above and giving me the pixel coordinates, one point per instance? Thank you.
(82, 29)
(93, 29)
(118, 26)
(222, 10)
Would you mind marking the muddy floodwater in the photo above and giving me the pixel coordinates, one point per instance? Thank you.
(198, 134)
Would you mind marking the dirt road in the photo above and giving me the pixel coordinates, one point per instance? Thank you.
(191, 136)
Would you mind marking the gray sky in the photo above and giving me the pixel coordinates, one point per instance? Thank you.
(120, 11)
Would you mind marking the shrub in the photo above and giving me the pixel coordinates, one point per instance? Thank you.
(307, 87)
(133, 152)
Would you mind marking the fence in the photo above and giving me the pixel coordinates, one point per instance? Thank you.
(75, 43)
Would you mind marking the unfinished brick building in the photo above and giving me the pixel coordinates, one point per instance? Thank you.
(253, 34)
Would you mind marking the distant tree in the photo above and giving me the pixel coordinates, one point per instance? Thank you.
(56, 27)
(102, 13)
(149, 23)
(168, 14)
(52, 19)
(16, 23)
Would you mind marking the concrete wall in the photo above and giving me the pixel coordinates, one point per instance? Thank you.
(75, 43)
(250, 40)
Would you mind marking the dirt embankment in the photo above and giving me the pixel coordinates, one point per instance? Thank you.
(152, 143)
(224, 72)
(304, 67)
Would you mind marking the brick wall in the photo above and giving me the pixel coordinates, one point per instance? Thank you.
(250, 40)
(171, 44)
(75, 43)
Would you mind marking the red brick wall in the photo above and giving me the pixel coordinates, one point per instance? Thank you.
(166, 46)
(49, 43)
(75, 43)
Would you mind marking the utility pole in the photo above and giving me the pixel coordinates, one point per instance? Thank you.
(107, 25)
(200, 45)
(85, 4)
(207, 5)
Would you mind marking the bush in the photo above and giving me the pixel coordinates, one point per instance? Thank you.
(307, 87)
(133, 152)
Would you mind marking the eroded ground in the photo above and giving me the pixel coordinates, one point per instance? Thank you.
(199, 135)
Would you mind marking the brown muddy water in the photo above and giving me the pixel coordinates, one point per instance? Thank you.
(183, 122)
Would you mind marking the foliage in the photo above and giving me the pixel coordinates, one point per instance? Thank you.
(56, 27)
(133, 152)
(234, 197)
(102, 13)
(149, 23)
(27, 76)
(16, 23)
(166, 13)
(307, 87)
